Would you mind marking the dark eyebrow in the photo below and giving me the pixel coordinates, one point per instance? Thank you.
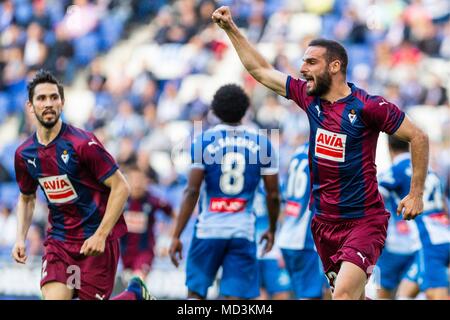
(310, 60)
(44, 95)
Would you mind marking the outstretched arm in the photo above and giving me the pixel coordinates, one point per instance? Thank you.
(190, 197)
(25, 208)
(412, 204)
(252, 60)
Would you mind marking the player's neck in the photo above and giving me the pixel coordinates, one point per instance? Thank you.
(45, 135)
(338, 91)
(233, 124)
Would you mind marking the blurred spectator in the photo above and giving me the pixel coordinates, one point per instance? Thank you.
(436, 93)
(169, 105)
(8, 225)
(126, 123)
(80, 19)
(35, 52)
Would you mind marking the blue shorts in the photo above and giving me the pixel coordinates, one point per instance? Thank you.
(413, 273)
(273, 278)
(239, 267)
(393, 268)
(434, 260)
(305, 271)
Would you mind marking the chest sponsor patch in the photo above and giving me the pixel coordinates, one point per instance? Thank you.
(441, 218)
(292, 209)
(224, 205)
(330, 145)
(58, 189)
(137, 221)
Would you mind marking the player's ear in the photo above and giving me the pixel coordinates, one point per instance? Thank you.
(30, 106)
(335, 66)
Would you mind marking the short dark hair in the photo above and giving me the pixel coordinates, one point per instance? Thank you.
(230, 103)
(335, 51)
(43, 76)
(396, 144)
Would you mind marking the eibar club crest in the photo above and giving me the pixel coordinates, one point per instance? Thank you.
(65, 156)
(352, 116)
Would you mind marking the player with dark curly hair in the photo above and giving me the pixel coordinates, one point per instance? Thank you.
(231, 159)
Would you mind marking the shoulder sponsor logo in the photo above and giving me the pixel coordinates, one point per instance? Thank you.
(58, 189)
(382, 102)
(90, 143)
(318, 110)
(227, 205)
(32, 162)
(330, 145)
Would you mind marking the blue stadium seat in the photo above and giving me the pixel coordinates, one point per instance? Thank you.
(359, 54)
(86, 48)
(110, 31)
(9, 192)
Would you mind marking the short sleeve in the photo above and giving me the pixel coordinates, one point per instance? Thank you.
(27, 184)
(197, 153)
(296, 91)
(97, 159)
(382, 115)
(268, 157)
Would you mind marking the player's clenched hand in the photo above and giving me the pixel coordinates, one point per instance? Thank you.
(222, 16)
(176, 249)
(19, 252)
(269, 238)
(93, 246)
(411, 206)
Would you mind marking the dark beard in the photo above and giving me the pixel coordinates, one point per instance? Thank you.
(47, 124)
(322, 85)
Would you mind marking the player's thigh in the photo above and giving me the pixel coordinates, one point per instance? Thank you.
(241, 255)
(98, 273)
(350, 282)
(56, 291)
(437, 294)
(276, 279)
(205, 256)
(307, 277)
(407, 289)
(392, 268)
(434, 267)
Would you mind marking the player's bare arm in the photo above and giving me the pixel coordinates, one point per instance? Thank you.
(273, 201)
(252, 60)
(412, 204)
(25, 209)
(120, 190)
(190, 198)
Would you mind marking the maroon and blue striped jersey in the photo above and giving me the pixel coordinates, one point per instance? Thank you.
(70, 171)
(343, 140)
(140, 216)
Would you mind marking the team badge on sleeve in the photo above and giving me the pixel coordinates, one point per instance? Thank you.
(65, 156)
(352, 116)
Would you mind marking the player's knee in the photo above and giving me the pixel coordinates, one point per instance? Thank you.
(437, 294)
(56, 291)
(342, 295)
(346, 294)
(194, 296)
